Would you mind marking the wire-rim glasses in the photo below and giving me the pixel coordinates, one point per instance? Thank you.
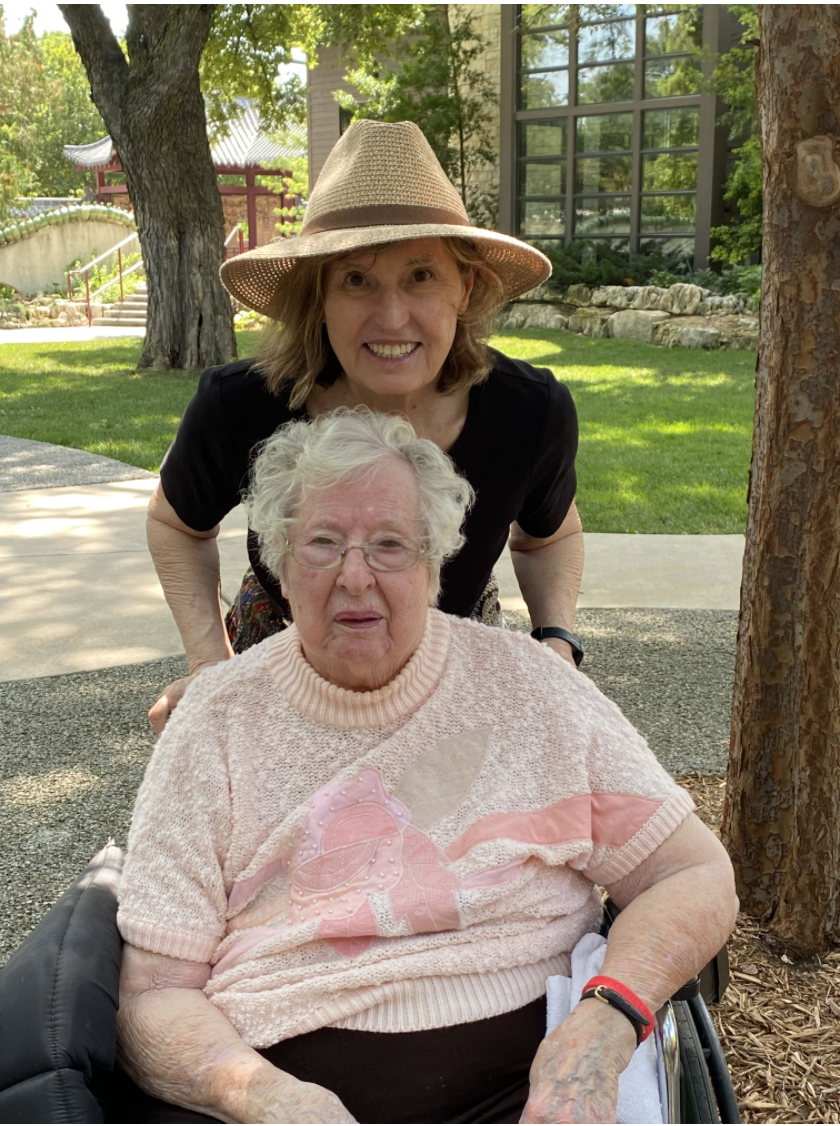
(321, 551)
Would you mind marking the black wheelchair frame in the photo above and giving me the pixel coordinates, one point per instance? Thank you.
(56, 1039)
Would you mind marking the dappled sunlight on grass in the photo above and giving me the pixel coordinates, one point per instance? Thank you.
(665, 434)
(87, 395)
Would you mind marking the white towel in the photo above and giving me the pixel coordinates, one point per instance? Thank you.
(639, 1083)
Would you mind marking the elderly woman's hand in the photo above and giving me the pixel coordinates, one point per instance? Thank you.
(574, 1076)
(275, 1096)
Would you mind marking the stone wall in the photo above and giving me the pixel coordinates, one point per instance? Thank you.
(683, 315)
(38, 263)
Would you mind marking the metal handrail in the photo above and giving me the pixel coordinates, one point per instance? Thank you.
(236, 229)
(95, 262)
(124, 274)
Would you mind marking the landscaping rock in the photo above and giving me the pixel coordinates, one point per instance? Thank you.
(515, 317)
(741, 332)
(679, 333)
(699, 338)
(578, 295)
(682, 299)
(539, 293)
(647, 297)
(613, 295)
(635, 324)
(591, 322)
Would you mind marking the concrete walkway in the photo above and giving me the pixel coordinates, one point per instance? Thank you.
(61, 335)
(78, 591)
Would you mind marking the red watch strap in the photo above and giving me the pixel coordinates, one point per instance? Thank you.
(628, 995)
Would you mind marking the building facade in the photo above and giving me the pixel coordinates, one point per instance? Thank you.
(606, 123)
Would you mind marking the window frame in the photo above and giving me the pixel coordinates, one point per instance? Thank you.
(574, 109)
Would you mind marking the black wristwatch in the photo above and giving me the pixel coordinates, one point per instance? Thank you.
(542, 633)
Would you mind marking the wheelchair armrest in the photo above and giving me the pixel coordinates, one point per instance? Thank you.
(58, 1003)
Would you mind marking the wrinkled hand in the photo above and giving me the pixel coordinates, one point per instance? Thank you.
(574, 1076)
(167, 702)
(275, 1096)
(170, 698)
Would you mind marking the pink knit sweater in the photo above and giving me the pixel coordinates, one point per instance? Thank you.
(404, 859)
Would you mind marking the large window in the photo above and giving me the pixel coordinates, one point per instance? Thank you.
(607, 113)
(673, 40)
(670, 139)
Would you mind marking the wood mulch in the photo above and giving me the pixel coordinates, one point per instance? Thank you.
(779, 1021)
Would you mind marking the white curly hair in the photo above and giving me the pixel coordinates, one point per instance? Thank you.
(305, 457)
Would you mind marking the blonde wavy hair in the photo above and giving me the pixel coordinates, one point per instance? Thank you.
(295, 348)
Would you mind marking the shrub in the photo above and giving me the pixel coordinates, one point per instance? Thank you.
(596, 263)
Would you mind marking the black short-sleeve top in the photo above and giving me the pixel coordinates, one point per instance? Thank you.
(517, 449)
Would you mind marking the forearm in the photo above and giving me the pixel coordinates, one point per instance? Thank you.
(666, 935)
(189, 571)
(549, 578)
(179, 1047)
(549, 571)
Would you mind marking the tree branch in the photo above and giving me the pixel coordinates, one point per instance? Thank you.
(102, 57)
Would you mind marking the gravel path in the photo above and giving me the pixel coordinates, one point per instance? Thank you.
(73, 748)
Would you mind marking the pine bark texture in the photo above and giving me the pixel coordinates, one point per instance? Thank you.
(782, 812)
(152, 106)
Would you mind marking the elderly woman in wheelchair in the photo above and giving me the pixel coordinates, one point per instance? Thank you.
(361, 848)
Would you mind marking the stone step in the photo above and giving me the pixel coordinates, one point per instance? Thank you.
(123, 320)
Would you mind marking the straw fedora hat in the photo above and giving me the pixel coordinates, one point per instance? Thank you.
(381, 183)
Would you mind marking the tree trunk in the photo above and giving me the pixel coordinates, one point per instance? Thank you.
(782, 810)
(152, 106)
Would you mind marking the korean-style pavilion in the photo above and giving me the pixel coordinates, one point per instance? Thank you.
(239, 159)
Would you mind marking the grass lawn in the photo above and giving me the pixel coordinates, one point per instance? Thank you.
(665, 433)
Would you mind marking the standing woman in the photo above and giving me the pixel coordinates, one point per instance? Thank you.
(384, 300)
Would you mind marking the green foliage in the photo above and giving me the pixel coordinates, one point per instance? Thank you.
(437, 85)
(294, 187)
(592, 263)
(20, 82)
(734, 80)
(44, 105)
(250, 44)
(247, 49)
(107, 272)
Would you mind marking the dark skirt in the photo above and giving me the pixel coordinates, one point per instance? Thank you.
(255, 615)
(476, 1072)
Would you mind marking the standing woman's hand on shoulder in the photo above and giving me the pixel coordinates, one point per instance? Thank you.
(170, 698)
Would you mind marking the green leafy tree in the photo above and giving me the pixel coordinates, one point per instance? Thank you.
(44, 105)
(734, 80)
(181, 66)
(437, 85)
(67, 117)
(20, 91)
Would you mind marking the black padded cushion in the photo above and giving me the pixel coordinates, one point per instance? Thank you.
(58, 1003)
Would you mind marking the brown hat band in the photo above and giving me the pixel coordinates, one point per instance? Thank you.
(382, 215)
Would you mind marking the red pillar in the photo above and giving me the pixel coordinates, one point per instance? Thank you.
(250, 177)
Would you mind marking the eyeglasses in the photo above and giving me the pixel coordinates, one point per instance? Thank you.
(321, 551)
